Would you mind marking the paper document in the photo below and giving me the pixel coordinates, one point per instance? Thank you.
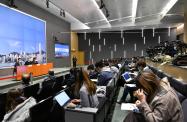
(133, 73)
(131, 85)
(128, 106)
(94, 80)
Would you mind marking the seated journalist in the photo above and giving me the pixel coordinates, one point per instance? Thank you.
(156, 102)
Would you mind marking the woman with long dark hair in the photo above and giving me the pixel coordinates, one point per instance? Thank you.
(156, 102)
(86, 89)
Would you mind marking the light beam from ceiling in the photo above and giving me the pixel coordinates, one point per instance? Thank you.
(168, 6)
(134, 9)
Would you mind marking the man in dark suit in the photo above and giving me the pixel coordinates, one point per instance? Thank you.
(17, 63)
(34, 61)
(74, 61)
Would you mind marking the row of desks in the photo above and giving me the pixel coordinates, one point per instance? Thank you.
(176, 72)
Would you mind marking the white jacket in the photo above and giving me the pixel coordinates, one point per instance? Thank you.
(21, 112)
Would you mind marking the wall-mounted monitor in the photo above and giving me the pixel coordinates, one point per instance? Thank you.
(21, 36)
(61, 50)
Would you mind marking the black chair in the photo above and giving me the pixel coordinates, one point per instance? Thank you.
(179, 86)
(57, 86)
(110, 89)
(41, 112)
(60, 79)
(160, 74)
(46, 90)
(31, 91)
(154, 70)
(67, 76)
(57, 113)
(184, 107)
(101, 113)
(2, 105)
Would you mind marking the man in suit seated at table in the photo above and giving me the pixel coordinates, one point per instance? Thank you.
(34, 61)
(28, 62)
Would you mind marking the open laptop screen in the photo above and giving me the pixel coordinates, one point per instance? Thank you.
(62, 98)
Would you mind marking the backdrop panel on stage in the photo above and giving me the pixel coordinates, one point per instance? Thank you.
(21, 36)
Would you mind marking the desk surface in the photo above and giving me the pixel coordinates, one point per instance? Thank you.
(84, 109)
(174, 71)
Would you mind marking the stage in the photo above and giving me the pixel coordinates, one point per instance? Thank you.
(7, 84)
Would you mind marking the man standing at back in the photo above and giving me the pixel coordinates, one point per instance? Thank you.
(74, 59)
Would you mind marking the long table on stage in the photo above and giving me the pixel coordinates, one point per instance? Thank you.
(36, 70)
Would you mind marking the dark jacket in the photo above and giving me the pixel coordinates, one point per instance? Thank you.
(105, 76)
(93, 75)
(70, 81)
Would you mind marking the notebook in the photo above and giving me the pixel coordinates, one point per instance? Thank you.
(62, 98)
(128, 106)
(94, 80)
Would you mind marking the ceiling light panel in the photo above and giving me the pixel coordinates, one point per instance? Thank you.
(168, 6)
(150, 8)
(134, 9)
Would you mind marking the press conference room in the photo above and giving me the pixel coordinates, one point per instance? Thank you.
(93, 60)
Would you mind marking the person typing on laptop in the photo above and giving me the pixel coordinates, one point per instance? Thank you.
(129, 89)
(86, 90)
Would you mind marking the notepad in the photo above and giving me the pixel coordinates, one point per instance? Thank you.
(128, 106)
(94, 80)
(133, 73)
(131, 85)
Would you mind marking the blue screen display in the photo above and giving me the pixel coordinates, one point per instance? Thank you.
(21, 36)
(61, 50)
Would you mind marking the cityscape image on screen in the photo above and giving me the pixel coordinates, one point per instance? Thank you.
(21, 36)
(61, 50)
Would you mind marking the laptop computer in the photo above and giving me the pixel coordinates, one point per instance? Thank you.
(62, 98)
(126, 76)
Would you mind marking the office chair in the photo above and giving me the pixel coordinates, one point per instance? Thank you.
(31, 91)
(2, 105)
(46, 89)
(41, 112)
